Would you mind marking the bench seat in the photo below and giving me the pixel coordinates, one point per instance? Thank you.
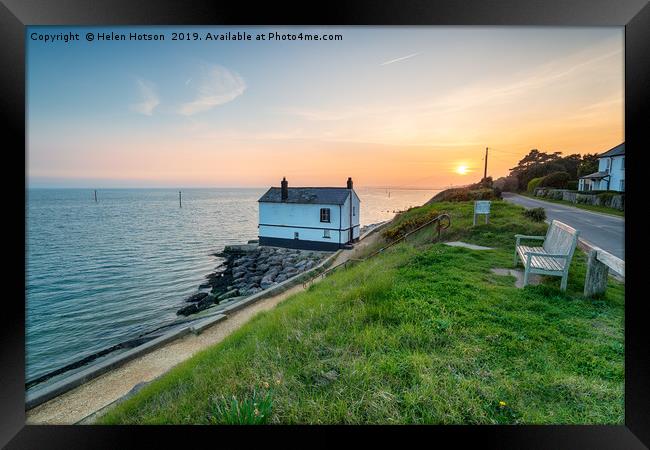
(553, 257)
(541, 262)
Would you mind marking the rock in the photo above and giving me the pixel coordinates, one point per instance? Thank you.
(196, 307)
(239, 275)
(196, 297)
(229, 294)
(187, 310)
(267, 279)
(280, 278)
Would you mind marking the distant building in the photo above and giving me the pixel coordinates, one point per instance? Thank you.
(611, 172)
(313, 218)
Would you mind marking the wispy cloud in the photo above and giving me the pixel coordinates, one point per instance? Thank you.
(149, 98)
(385, 63)
(218, 86)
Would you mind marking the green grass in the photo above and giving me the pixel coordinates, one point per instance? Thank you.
(595, 208)
(422, 333)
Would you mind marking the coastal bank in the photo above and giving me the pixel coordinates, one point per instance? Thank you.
(422, 332)
(76, 397)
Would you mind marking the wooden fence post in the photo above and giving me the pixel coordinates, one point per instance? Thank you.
(596, 278)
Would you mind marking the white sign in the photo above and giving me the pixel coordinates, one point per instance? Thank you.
(482, 207)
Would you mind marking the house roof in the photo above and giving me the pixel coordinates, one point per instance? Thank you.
(307, 195)
(596, 175)
(619, 150)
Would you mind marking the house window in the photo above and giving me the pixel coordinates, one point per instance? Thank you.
(325, 215)
(609, 165)
(622, 187)
(623, 163)
(354, 210)
(326, 234)
(296, 235)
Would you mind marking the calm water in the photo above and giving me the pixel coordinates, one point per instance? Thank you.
(101, 273)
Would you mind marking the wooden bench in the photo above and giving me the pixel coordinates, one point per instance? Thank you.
(553, 257)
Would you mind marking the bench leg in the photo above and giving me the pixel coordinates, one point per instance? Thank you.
(526, 273)
(514, 261)
(563, 284)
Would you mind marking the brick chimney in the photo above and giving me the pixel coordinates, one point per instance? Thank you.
(285, 189)
(349, 182)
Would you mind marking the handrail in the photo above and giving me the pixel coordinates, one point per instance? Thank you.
(443, 221)
(614, 263)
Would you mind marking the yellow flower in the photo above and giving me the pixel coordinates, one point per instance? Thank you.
(502, 403)
(278, 381)
(257, 412)
(266, 384)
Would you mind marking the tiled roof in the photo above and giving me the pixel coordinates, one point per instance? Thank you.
(308, 195)
(616, 151)
(596, 175)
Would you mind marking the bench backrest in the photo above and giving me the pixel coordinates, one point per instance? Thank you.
(561, 239)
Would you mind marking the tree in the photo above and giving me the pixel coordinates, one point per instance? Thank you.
(571, 164)
(506, 184)
(588, 165)
(536, 164)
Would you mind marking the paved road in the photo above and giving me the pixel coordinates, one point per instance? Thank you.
(603, 230)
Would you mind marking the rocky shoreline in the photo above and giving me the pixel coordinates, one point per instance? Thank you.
(248, 269)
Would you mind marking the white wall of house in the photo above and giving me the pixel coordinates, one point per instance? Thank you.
(345, 219)
(303, 219)
(615, 166)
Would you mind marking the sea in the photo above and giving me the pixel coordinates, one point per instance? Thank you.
(102, 272)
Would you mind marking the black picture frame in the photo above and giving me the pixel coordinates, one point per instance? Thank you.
(634, 15)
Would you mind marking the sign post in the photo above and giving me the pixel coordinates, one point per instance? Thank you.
(482, 207)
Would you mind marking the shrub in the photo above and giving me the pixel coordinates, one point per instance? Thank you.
(556, 180)
(605, 198)
(584, 199)
(572, 185)
(532, 184)
(535, 214)
(464, 194)
(255, 410)
(401, 229)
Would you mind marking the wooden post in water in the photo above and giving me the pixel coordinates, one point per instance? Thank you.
(95, 195)
(180, 202)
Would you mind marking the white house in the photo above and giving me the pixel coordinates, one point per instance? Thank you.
(611, 172)
(313, 218)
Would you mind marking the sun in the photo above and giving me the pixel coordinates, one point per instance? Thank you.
(462, 170)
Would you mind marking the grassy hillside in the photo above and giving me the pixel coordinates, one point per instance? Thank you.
(422, 333)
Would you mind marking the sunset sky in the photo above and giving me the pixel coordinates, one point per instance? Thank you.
(389, 106)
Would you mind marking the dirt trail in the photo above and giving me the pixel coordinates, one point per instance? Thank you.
(82, 401)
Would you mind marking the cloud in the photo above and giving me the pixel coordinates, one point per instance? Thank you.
(391, 61)
(218, 86)
(149, 98)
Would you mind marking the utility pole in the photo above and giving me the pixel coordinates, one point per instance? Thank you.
(486, 158)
